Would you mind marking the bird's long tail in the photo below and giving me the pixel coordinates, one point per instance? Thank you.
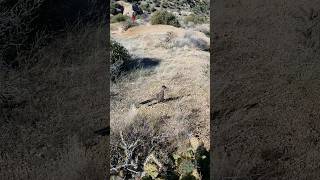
(147, 101)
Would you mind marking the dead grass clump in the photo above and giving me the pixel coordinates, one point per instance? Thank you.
(16, 29)
(204, 28)
(192, 41)
(167, 41)
(128, 24)
(133, 143)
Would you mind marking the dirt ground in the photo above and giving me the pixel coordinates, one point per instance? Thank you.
(265, 92)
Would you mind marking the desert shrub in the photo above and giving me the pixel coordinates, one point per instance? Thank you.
(207, 33)
(204, 28)
(164, 4)
(28, 25)
(135, 144)
(116, 8)
(128, 24)
(191, 40)
(157, 3)
(113, 9)
(153, 9)
(201, 8)
(119, 61)
(168, 40)
(119, 18)
(16, 28)
(145, 6)
(164, 17)
(196, 19)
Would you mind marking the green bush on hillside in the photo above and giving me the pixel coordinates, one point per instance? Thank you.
(202, 7)
(145, 6)
(120, 59)
(112, 8)
(164, 17)
(119, 18)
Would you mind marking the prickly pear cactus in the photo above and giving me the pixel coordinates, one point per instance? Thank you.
(186, 161)
(151, 170)
(185, 167)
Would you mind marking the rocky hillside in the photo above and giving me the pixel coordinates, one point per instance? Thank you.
(180, 7)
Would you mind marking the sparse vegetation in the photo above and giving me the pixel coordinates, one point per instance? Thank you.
(191, 40)
(115, 8)
(142, 146)
(119, 18)
(133, 143)
(153, 9)
(201, 8)
(128, 24)
(164, 17)
(164, 4)
(196, 19)
(145, 6)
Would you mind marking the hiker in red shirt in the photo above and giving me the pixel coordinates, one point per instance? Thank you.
(133, 18)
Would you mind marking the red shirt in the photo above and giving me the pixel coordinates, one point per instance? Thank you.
(133, 18)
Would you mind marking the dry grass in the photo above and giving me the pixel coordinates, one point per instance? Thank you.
(50, 135)
(192, 40)
(266, 102)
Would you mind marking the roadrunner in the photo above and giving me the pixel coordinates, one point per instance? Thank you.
(159, 96)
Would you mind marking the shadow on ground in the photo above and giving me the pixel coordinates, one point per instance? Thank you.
(143, 63)
(122, 69)
(169, 99)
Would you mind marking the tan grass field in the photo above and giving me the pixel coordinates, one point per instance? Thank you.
(180, 69)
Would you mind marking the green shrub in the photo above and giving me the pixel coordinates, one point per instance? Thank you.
(196, 19)
(145, 6)
(164, 4)
(164, 17)
(157, 3)
(153, 9)
(186, 167)
(112, 8)
(119, 18)
(202, 7)
(120, 60)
